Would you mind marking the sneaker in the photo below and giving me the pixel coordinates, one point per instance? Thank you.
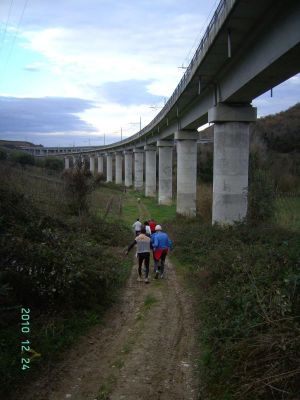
(139, 279)
(161, 276)
(156, 275)
(146, 280)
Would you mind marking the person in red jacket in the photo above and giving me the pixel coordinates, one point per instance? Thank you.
(152, 225)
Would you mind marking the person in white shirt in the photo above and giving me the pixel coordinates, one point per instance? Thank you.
(137, 226)
(143, 243)
(147, 227)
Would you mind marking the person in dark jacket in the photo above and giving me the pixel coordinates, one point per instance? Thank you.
(143, 243)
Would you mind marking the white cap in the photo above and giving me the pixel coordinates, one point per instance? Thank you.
(158, 228)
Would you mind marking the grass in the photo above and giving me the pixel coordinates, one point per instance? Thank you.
(161, 213)
(146, 208)
(204, 201)
(132, 208)
(128, 346)
(149, 301)
(287, 212)
(106, 388)
(119, 363)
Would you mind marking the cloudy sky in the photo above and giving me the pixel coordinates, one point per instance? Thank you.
(74, 70)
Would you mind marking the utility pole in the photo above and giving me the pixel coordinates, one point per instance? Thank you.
(121, 134)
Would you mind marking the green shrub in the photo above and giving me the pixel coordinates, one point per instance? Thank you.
(79, 183)
(39, 162)
(65, 269)
(247, 284)
(22, 158)
(261, 199)
(3, 154)
(54, 163)
(46, 261)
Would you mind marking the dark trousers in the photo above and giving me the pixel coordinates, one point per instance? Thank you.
(144, 257)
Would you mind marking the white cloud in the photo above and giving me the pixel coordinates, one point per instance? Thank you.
(103, 118)
(85, 44)
(97, 55)
(35, 66)
(81, 61)
(295, 80)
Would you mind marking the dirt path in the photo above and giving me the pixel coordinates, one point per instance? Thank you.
(143, 212)
(145, 350)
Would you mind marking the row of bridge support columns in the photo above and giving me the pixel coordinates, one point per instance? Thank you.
(230, 170)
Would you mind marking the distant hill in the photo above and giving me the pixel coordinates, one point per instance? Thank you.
(15, 144)
(280, 132)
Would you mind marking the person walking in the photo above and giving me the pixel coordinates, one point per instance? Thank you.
(147, 227)
(137, 226)
(152, 225)
(143, 243)
(161, 245)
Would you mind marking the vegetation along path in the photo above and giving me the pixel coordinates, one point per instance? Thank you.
(145, 350)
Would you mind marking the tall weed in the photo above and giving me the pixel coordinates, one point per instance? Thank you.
(204, 201)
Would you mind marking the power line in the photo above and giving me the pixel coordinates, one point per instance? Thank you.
(3, 33)
(15, 35)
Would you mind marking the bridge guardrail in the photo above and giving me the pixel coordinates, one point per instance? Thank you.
(223, 6)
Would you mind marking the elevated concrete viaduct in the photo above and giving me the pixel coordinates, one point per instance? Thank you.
(248, 48)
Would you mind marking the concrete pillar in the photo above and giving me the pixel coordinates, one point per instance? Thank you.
(108, 167)
(67, 163)
(231, 161)
(92, 164)
(100, 164)
(165, 167)
(75, 161)
(128, 168)
(119, 162)
(82, 162)
(138, 169)
(150, 171)
(186, 172)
